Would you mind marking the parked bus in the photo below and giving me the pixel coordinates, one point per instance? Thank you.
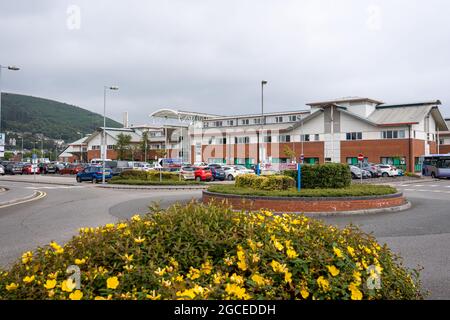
(436, 165)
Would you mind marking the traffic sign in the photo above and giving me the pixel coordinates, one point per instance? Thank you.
(302, 157)
(360, 157)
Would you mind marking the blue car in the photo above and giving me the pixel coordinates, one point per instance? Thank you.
(94, 174)
(217, 173)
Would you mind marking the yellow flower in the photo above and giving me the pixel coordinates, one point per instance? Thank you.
(206, 267)
(357, 277)
(110, 226)
(121, 226)
(80, 261)
(323, 284)
(27, 257)
(259, 280)
(278, 245)
(189, 293)
(76, 295)
(68, 285)
(278, 267)
(28, 279)
(153, 296)
(355, 293)
(287, 277)
(99, 298)
(112, 283)
(128, 258)
(12, 286)
(237, 279)
(139, 240)
(136, 218)
(305, 293)
(50, 284)
(193, 273)
(351, 251)
(291, 253)
(160, 272)
(179, 278)
(338, 252)
(242, 265)
(233, 289)
(52, 275)
(128, 267)
(255, 258)
(228, 261)
(333, 270)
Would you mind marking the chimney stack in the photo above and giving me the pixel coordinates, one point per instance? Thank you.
(125, 119)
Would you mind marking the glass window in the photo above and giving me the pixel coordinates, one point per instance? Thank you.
(257, 121)
(230, 122)
(268, 139)
(278, 119)
(359, 137)
(401, 134)
(305, 137)
(292, 118)
(389, 134)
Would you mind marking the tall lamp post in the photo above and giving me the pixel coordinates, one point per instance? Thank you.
(260, 139)
(105, 146)
(12, 68)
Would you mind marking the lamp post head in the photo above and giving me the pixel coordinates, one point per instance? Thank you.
(263, 82)
(14, 68)
(114, 88)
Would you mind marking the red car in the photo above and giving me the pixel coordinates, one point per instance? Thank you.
(202, 174)
(71, 169)
(30, 169)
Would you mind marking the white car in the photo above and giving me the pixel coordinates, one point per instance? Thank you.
(386, 170)
(231, 172)
(2, 170)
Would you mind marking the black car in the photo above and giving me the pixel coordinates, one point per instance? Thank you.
(13, 168)
(48, 168)
(217, 173)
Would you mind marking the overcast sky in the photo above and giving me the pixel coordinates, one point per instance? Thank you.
(210, 56)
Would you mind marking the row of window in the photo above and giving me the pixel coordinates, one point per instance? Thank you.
(253, 121)
(266, 139)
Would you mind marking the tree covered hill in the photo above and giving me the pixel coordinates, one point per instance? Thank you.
(53, 119)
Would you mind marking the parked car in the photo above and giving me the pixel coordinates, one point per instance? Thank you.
(13, 168)
(355, 172)
(217, 172)
(387, 170)
(71, 169)
(231, 172)
(2, 170)
(47, 168)
(30, 169)
(202, 173)
(372, 168)
(94, 174)
(188, 173)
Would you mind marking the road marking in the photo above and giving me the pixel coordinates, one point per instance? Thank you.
(54, 187)
(40, 196)
(419, 185)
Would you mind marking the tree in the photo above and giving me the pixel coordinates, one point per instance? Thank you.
(123, 145)
(144, 143)
(161, 153)
(289, 153)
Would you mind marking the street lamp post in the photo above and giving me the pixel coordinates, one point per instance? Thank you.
(12, 68)
(260, 139)
(105, 146)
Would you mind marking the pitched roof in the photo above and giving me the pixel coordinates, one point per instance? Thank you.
(343, 100)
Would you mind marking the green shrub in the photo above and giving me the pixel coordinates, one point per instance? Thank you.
(329, 175)
(118, 180)
(153, 175)
(264, 182)
(211, 252)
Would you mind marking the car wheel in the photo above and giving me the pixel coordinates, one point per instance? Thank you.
(230, 177)
(78, 179)
(94, 181)
(385, 174)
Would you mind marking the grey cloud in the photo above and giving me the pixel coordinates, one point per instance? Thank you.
(211, 55)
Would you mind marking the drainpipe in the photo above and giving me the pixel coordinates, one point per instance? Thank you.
(410, 148)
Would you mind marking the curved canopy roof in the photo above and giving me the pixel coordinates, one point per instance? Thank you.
(181, 115)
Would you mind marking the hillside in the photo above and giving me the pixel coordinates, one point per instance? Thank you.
(53, 119)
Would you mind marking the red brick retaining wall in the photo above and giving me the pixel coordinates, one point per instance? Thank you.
(284, 204)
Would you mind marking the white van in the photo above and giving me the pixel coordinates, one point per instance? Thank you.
(98, 161)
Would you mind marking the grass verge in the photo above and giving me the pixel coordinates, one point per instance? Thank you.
(154, 183)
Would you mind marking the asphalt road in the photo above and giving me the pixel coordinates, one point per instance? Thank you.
(421, 235)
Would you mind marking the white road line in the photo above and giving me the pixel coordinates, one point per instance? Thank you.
(40, 196)
(418, 185)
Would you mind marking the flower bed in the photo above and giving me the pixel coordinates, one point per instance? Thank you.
(212, 252)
